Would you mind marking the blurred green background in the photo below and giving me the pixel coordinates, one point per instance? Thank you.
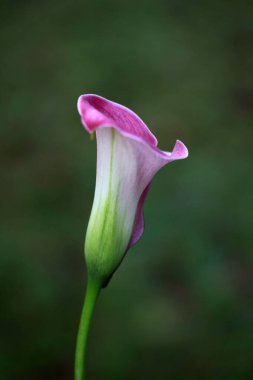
(181, 304)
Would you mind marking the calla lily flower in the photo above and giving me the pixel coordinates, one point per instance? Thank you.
(127, 160)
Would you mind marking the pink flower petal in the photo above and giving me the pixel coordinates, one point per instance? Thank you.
(97, 112)
(138, 158)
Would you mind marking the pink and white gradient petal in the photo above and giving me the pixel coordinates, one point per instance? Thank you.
(96, 113)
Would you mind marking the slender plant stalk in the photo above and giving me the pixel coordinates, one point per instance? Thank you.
(92, 291)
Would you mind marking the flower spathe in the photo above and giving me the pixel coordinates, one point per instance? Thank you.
(127, 160)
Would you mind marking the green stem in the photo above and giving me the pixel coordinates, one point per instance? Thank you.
(92, 292)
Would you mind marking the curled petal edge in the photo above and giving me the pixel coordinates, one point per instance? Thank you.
(97, 112)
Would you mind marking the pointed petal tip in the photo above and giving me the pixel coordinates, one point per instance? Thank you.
(179, 151)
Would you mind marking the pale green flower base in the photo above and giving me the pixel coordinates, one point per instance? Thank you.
(92, 291)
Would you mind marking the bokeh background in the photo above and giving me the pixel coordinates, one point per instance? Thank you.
(181, 304)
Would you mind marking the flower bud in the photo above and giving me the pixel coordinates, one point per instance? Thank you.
(127, 160)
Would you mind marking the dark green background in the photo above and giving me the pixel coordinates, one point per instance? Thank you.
(180, 306)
